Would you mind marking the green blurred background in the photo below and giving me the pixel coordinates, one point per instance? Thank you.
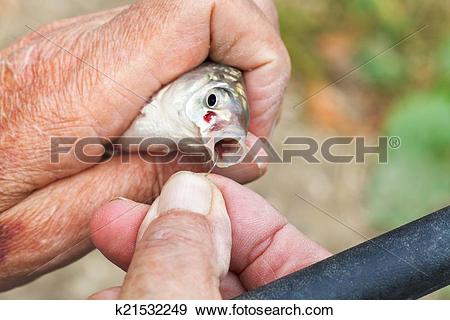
(401, 87)
(389, 66)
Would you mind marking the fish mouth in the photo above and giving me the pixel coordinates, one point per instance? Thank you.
(228, 150)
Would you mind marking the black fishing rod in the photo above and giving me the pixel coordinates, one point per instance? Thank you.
(406, 263)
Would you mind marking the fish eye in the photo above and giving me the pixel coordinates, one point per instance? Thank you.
(211, 100)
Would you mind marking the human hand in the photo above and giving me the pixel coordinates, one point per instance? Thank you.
(89, 76)
(181, 247)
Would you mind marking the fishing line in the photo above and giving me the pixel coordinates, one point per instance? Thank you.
(214, 160)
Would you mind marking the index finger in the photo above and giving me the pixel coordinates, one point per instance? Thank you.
(265, 246)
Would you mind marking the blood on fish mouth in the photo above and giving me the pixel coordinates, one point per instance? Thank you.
(208, 116)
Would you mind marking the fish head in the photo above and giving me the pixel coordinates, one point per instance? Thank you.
(220, 110)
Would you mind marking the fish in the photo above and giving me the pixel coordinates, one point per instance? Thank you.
(208, 103)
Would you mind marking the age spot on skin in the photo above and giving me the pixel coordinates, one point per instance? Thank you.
(7, 233)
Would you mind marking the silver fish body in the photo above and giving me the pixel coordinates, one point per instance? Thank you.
(207, 102)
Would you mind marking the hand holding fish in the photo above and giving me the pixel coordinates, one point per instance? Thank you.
(90, 76)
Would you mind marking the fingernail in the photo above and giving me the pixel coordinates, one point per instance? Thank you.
(186, 191)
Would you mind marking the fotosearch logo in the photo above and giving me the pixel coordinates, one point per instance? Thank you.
(195, 150)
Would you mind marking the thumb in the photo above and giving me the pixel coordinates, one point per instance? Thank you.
(184, 243)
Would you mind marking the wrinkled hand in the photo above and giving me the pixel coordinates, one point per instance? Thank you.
(180, 247)
(89, 76)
